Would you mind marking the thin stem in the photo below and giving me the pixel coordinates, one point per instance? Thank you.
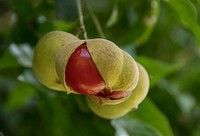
(95, 20)
(80, 13)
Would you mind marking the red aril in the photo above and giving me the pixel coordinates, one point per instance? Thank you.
(81, 73)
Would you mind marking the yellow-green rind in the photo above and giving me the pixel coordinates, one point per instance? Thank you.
(45, 57)
(118, 68)
(129, 75)
(119, 110)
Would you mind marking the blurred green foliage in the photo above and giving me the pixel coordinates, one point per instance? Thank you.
(163, 35)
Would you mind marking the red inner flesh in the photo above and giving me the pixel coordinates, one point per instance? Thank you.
(82, 76)
(81, 73)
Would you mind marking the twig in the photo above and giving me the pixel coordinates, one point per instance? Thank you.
(80, 13)
(95, 20)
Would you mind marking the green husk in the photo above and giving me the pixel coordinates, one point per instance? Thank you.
(44, 58)
(118, 69)
(118, 110)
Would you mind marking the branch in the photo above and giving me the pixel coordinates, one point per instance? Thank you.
(80, 14)
(95, 20)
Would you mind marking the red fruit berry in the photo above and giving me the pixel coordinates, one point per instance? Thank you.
(81, 73)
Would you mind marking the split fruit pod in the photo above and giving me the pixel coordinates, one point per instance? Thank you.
(110, 78)
(97, 68)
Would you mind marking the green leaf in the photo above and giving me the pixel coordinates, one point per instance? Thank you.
(127, 126)
(147, 22)
(148, 113)
(24, 10)
(157, 69)
(62, 116)
(64, 26)
(185, 101)
(1, 134)
(187, 13)
(28, 77)
(20, 96)
(113, 17)
(135, 21)
(23, 53)
(54, 115)
(8, 61)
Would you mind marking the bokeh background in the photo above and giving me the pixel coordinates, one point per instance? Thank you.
(163, 35)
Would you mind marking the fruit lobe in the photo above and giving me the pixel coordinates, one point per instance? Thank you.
(118, 69)
(44, 58)
(136, 97)
(81, 74)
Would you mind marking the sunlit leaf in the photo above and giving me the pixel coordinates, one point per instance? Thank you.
(64, 26)
(113, 17)
(1, 134)
(23, 53)
(157, 69)
(127, 126)
(148, 113)
(187, 13)
(28, 77)
(136, 21)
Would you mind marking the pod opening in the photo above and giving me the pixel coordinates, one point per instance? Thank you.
(81, 74)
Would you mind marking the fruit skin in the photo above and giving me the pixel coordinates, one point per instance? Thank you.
(44, 58)
(117, 68)
(119, 110)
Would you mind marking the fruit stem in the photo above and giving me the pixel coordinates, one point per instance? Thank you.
(95, 20)
(80, 14)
